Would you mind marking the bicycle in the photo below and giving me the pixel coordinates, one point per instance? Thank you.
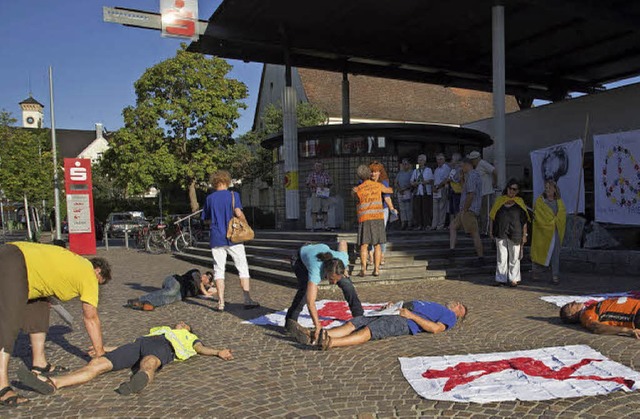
(164, 237)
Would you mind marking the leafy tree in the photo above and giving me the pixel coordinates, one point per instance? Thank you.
(180, 129)
(260, 166)
(26, 165)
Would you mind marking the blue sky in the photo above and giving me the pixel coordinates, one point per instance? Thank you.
(94, 63)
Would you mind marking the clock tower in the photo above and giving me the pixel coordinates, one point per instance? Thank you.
(32, 115)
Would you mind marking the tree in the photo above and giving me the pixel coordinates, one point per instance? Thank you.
(260, 166)
(180, 129)
(26, 162)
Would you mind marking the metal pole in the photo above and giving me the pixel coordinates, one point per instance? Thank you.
(56, 186)
(4, 233)
(160, 202)
(497, 14)
(27, 216)
(346, 102)
(290, 146)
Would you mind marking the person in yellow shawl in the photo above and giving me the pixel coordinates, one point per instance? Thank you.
(508, 226)
(549, 224)
(148, 353)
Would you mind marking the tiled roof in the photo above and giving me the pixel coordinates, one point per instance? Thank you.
(30, 101)
(389, 99)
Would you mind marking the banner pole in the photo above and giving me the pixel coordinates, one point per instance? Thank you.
(581, 176)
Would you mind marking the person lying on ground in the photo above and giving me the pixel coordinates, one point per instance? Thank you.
(148, 353)
(414, 317)
(313, 263)
(176, 288)
(613, 316)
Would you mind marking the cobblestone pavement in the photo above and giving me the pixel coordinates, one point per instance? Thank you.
(274, 377)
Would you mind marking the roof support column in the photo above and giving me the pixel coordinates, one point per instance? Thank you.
(497, 15)
(290, 146)
(346, 102)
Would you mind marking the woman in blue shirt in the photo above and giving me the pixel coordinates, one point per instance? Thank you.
(220, 207)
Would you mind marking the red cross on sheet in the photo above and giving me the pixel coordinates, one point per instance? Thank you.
(466, 372)
(339, 310)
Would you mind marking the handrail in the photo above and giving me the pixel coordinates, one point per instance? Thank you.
(188, 216)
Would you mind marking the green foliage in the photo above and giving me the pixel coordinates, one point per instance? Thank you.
(26, 162)
(260, 165)
(180, 129)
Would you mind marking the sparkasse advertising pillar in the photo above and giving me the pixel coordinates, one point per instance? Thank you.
(79, 190)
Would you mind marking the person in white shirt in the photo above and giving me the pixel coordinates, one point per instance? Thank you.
(440, 193)
(422, 181)
(489, 177)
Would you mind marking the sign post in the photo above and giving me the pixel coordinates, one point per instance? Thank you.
(79, 190)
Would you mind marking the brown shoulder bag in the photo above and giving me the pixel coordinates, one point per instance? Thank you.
(238, 230)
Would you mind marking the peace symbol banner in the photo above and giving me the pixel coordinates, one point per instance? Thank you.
(616, 165)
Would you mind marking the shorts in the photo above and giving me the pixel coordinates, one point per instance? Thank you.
(16, 311)
(382, 326)
(467, 220)
(129, 355)
(372, 232)
(319, 204)
(238, 255)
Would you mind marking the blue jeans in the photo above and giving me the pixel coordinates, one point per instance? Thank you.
(299, 300)
(170, 293)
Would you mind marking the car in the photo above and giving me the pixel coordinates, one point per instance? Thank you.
(119, 222)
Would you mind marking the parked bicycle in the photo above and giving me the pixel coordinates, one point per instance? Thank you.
(166, 236)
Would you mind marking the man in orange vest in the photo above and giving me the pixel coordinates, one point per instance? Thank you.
(371, 229)
(613, 316)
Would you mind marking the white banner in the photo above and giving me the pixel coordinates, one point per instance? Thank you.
(562, 163)
(331, 314)
(560, 300)
(538, 374)
(616, 165)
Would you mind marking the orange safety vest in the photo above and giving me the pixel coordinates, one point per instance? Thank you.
(370, 201)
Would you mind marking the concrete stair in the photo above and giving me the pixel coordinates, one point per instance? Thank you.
(410, 256)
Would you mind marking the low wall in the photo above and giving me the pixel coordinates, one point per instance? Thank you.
(625, 262)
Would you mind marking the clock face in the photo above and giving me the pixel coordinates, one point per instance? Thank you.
(30, 120)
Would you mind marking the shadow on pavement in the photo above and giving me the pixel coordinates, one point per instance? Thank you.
(139, 287)
(56, 334)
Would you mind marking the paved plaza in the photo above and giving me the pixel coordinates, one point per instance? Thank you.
(272, 376)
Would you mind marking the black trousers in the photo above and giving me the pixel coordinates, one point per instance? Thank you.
(299, 300)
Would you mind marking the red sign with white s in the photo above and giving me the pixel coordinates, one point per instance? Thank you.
(179, 18)
(80, 214)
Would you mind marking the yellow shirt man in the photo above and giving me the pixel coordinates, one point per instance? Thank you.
(55, 271)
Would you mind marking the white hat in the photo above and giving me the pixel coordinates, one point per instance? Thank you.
(474, 155)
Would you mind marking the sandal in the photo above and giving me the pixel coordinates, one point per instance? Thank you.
(376, 273)
(49, 370)
(11, 401)
(324, 341)
(362, 274)
(220, 308)
(136, 384)
(32, 380)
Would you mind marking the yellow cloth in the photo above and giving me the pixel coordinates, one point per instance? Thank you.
(501, 200)
(181, 340)
(544, 227)
(53, 271)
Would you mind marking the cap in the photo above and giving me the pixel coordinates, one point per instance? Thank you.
(474, 155)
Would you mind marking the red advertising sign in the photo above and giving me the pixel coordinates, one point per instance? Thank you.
(179, 18)
(79, 191)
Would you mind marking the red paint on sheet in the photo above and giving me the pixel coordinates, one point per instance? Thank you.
(466, 372)
(339, 310)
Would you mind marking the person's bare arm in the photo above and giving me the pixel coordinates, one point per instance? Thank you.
(220, 353)
(389, 202)
(467, 202)
(426, 325)
(605, 329)
(343, 246)
(94, 328)
(387, 189)
(312, 295)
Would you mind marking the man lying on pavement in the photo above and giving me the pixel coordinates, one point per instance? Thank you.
(414, 317)
(613, 316)
(149, 353)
